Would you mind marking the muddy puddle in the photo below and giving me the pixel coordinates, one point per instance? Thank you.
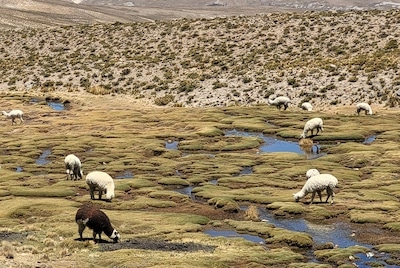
(234, 234)
(152, 244)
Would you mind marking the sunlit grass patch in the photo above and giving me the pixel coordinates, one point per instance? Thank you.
(375, 195)
(169, 195)
(142, 202)
(339, 255)
(45, 191)
(225, 203)
(173, 181)
(210, 131)
(252, 124)
(366, 216)
(283, 208)
(390, 248)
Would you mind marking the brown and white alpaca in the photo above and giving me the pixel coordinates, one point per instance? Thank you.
(97, 220)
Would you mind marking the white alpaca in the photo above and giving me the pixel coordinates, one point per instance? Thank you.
(318, 183)
(315, 123)
(280, 101)
(13, 114)
(73, 167)
(312, 172)
(102, 182)
(307, 106)
(365, 107)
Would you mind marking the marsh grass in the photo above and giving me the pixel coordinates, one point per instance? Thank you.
(339, 255)
(113, 139)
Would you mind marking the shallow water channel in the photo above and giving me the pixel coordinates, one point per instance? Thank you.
(339, 234)
(42, 160)
(273, 145)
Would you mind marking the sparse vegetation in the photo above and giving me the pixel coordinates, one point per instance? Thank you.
(188, 56)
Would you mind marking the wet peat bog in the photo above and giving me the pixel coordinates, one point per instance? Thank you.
(153, 244)
(337, 234)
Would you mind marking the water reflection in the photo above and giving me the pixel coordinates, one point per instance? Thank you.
(369, 139)
(171, 145)
(339, 234)
(42, 158)
(54, 104)
(125, 175)
(273, 145)
(58, 106)
(186, 191)
(246, 171)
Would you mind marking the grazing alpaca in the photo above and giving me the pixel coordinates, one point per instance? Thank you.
(363, 106)
(73, 167)
(307, 106)
(97, 220)
(315, 123)
(101, 181)
(317, 183)
(280, 101)
(14, 114)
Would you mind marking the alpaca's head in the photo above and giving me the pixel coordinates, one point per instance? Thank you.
(115, 236)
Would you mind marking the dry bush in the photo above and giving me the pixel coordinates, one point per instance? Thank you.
(7, 249)
(252, 213)
(98, 90)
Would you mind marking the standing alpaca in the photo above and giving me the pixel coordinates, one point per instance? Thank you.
(365, 107)
(73, 167)
(14, 114)
(315, 123)
(280, 101)
(101, 181)
(96, 220)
